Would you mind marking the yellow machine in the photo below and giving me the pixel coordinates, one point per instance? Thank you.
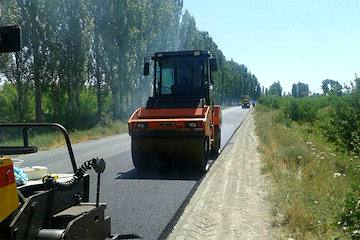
(48, 209)
(10, 41)
(9, 200)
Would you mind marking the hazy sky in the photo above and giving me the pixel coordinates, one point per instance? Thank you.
(286, 40)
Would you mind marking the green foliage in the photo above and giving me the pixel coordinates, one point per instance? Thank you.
(336, 117)
(350, 217)
(82, 59)
(331, 87)
(310, 178)
(232, 80)
(275, 89)
(304, 109)
(344, 124)
(8, 97)
(10, 108)
(272, 101)
(300, 90)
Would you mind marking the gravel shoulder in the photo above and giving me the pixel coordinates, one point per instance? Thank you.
(231, 202)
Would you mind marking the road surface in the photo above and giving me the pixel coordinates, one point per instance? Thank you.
(142, 204)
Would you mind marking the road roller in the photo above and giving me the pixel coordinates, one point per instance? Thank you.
(180, 122)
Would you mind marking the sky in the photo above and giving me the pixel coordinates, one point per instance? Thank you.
(288, 41)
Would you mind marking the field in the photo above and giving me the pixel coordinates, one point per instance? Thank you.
(313, 165)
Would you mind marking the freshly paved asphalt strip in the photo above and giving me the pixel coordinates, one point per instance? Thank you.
(141, 204)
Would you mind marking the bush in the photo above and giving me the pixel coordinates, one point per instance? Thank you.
(82, 117)
(307, 196)
(350, 218)
(8, 98)
(338, 119)
(297, 109)
(343, 126)
(9, 105)
(301, 109)
(272, 101)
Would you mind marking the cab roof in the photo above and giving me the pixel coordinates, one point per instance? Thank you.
(203, 53)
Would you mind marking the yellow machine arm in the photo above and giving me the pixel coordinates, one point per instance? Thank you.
(9, 200)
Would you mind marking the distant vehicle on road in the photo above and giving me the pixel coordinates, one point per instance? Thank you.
(245, 101)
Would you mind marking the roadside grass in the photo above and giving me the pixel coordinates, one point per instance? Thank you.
(49, 140)
(310, 178)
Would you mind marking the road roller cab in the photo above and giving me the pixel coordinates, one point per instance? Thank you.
(180, 121)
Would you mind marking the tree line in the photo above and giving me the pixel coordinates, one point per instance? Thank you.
(82, 60)
(328, 86)
(337, 109)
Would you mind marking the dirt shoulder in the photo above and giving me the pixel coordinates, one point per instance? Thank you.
(231, 202)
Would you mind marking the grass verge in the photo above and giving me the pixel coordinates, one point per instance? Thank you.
(48, 140)
(311, 180)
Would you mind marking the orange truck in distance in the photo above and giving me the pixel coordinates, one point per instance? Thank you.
(180, 121)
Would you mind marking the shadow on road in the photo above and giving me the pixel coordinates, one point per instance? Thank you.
(162, 174)
(166, 172)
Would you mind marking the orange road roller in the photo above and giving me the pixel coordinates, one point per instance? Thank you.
(180, 121)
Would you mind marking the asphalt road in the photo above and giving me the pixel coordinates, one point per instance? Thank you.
(141, 204)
